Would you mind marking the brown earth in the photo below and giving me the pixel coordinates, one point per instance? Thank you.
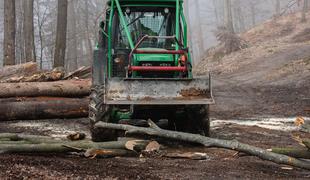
(220, 164)
(271, 77)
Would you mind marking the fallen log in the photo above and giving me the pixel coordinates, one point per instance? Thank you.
(55, 75)
(63, 147)
(154, 130)
(20, 143)
(70, 88)
(34, 139)
(293, 152)
(42, 108)
(18, 70)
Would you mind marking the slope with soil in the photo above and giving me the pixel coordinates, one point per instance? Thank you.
(269, 77)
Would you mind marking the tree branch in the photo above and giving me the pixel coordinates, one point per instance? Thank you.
(209, 142)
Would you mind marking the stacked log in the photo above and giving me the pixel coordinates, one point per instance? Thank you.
(18, 70)
(28, 94)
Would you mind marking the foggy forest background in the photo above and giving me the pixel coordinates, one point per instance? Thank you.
(82, 18)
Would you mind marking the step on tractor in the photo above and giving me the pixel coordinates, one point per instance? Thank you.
(142, 70)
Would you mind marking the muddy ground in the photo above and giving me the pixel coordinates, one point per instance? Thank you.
(220, 164)
(262, 117)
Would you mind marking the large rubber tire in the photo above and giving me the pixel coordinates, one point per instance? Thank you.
(98, 111)
(196, 120)
(199, 119)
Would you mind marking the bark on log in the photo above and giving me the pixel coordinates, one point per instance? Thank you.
(293, 152)
(42, 108)
(18, 70)
(154, 130)
(34, 139)
(54, 75)
(49, 145)
(71, 88)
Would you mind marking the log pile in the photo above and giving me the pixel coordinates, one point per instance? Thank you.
(29, 94)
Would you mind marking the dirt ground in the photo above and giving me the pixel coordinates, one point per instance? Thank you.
(220, 163)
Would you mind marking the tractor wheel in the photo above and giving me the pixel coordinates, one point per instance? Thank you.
(98, 111)
(198, 121)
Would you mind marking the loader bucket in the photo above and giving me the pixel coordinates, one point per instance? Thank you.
(158, 91)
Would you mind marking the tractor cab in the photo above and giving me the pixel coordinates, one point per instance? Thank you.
(147, 39)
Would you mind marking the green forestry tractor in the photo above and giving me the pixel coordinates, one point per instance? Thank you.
(142, 70)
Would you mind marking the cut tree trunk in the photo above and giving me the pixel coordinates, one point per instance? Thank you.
(20, 143)
(42, 108)
(18, 70)
(154, 130)
(293, 152)
(62, 147)
(54, 89)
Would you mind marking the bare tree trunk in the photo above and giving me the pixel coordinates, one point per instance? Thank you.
(29, 31)
(199, 31)
(20, 48)
(9, 32)
(71, 63)
(240, 24)
(278, 8)
(216, 12)
(61, 34)
(253, 13)
(228, 16)
(189, 28)
(304, 11)
(87, 34)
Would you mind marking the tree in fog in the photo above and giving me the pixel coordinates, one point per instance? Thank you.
(61, 34)
(278, 7)
(304, 11)
(9, 32)
(71, 63)
(30, 51)
(228, 16)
